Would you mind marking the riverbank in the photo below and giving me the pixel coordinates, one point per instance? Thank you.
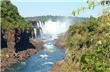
(56, 67)
(9, 56)
(60, 43)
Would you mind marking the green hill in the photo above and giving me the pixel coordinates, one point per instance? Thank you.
(54, 18)
(88, 46)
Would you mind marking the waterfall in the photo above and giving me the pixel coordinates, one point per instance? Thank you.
(37, 29)
(35, 32)
(50, 28)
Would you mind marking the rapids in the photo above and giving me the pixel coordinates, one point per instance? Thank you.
(44, 59)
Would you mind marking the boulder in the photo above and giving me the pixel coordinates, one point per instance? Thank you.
(60, 43)
(31, 51)
(26, 53)
(9, 57)
(37, 43)
(56, 66)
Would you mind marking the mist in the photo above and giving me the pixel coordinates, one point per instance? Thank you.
(56, 27)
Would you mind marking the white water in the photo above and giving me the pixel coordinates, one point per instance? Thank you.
(44, 59)
(53, 29)
(35, 32)
(49, 47)
(50, 31)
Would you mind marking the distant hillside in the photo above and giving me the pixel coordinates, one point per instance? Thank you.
(54, 18)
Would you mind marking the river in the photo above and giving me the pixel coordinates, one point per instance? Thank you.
(38, 63)
(44, 59)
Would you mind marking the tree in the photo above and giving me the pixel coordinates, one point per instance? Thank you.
(10, 19)
(91, 4)
(88, 42)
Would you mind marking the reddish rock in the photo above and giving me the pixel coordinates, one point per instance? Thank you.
(31, 51)
(9, 57)
(60, 43)
(37, 43)
(26, 53)
(56, 66)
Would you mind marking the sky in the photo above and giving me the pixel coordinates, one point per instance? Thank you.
(31, 8)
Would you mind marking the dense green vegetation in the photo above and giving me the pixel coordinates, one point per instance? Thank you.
(11, 21)
(10, 17)
(88, 44)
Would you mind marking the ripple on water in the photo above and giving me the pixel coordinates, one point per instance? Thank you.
(36, 63)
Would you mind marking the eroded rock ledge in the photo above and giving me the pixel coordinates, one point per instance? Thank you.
(9, 56)
(60, 43)
(38, 44)
(56, 67)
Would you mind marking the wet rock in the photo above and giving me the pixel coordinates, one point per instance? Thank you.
(9, 57)
(26, 53)
(60, 43)
(56, 66)
(37, 43)
(31, 51)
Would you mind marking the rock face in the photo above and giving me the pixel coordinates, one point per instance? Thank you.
(17, 46)
(22, 39)
(16, 38)
(26, 53)
(9, 56)
(60, 43)
(37, 44)
(56, 66)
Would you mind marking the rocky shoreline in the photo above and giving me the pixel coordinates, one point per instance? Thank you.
(56, 67)
(9, 56)
(60, 43)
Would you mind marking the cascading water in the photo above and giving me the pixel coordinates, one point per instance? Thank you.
(50, 28)
(37, 29)
(44, 59)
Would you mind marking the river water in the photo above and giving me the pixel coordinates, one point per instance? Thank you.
(42, 61)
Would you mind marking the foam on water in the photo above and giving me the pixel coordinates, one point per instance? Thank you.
(47, 63)
(49, 47)
(43, 60)
(55, 28)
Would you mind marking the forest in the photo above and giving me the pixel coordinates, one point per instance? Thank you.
(88, 42)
